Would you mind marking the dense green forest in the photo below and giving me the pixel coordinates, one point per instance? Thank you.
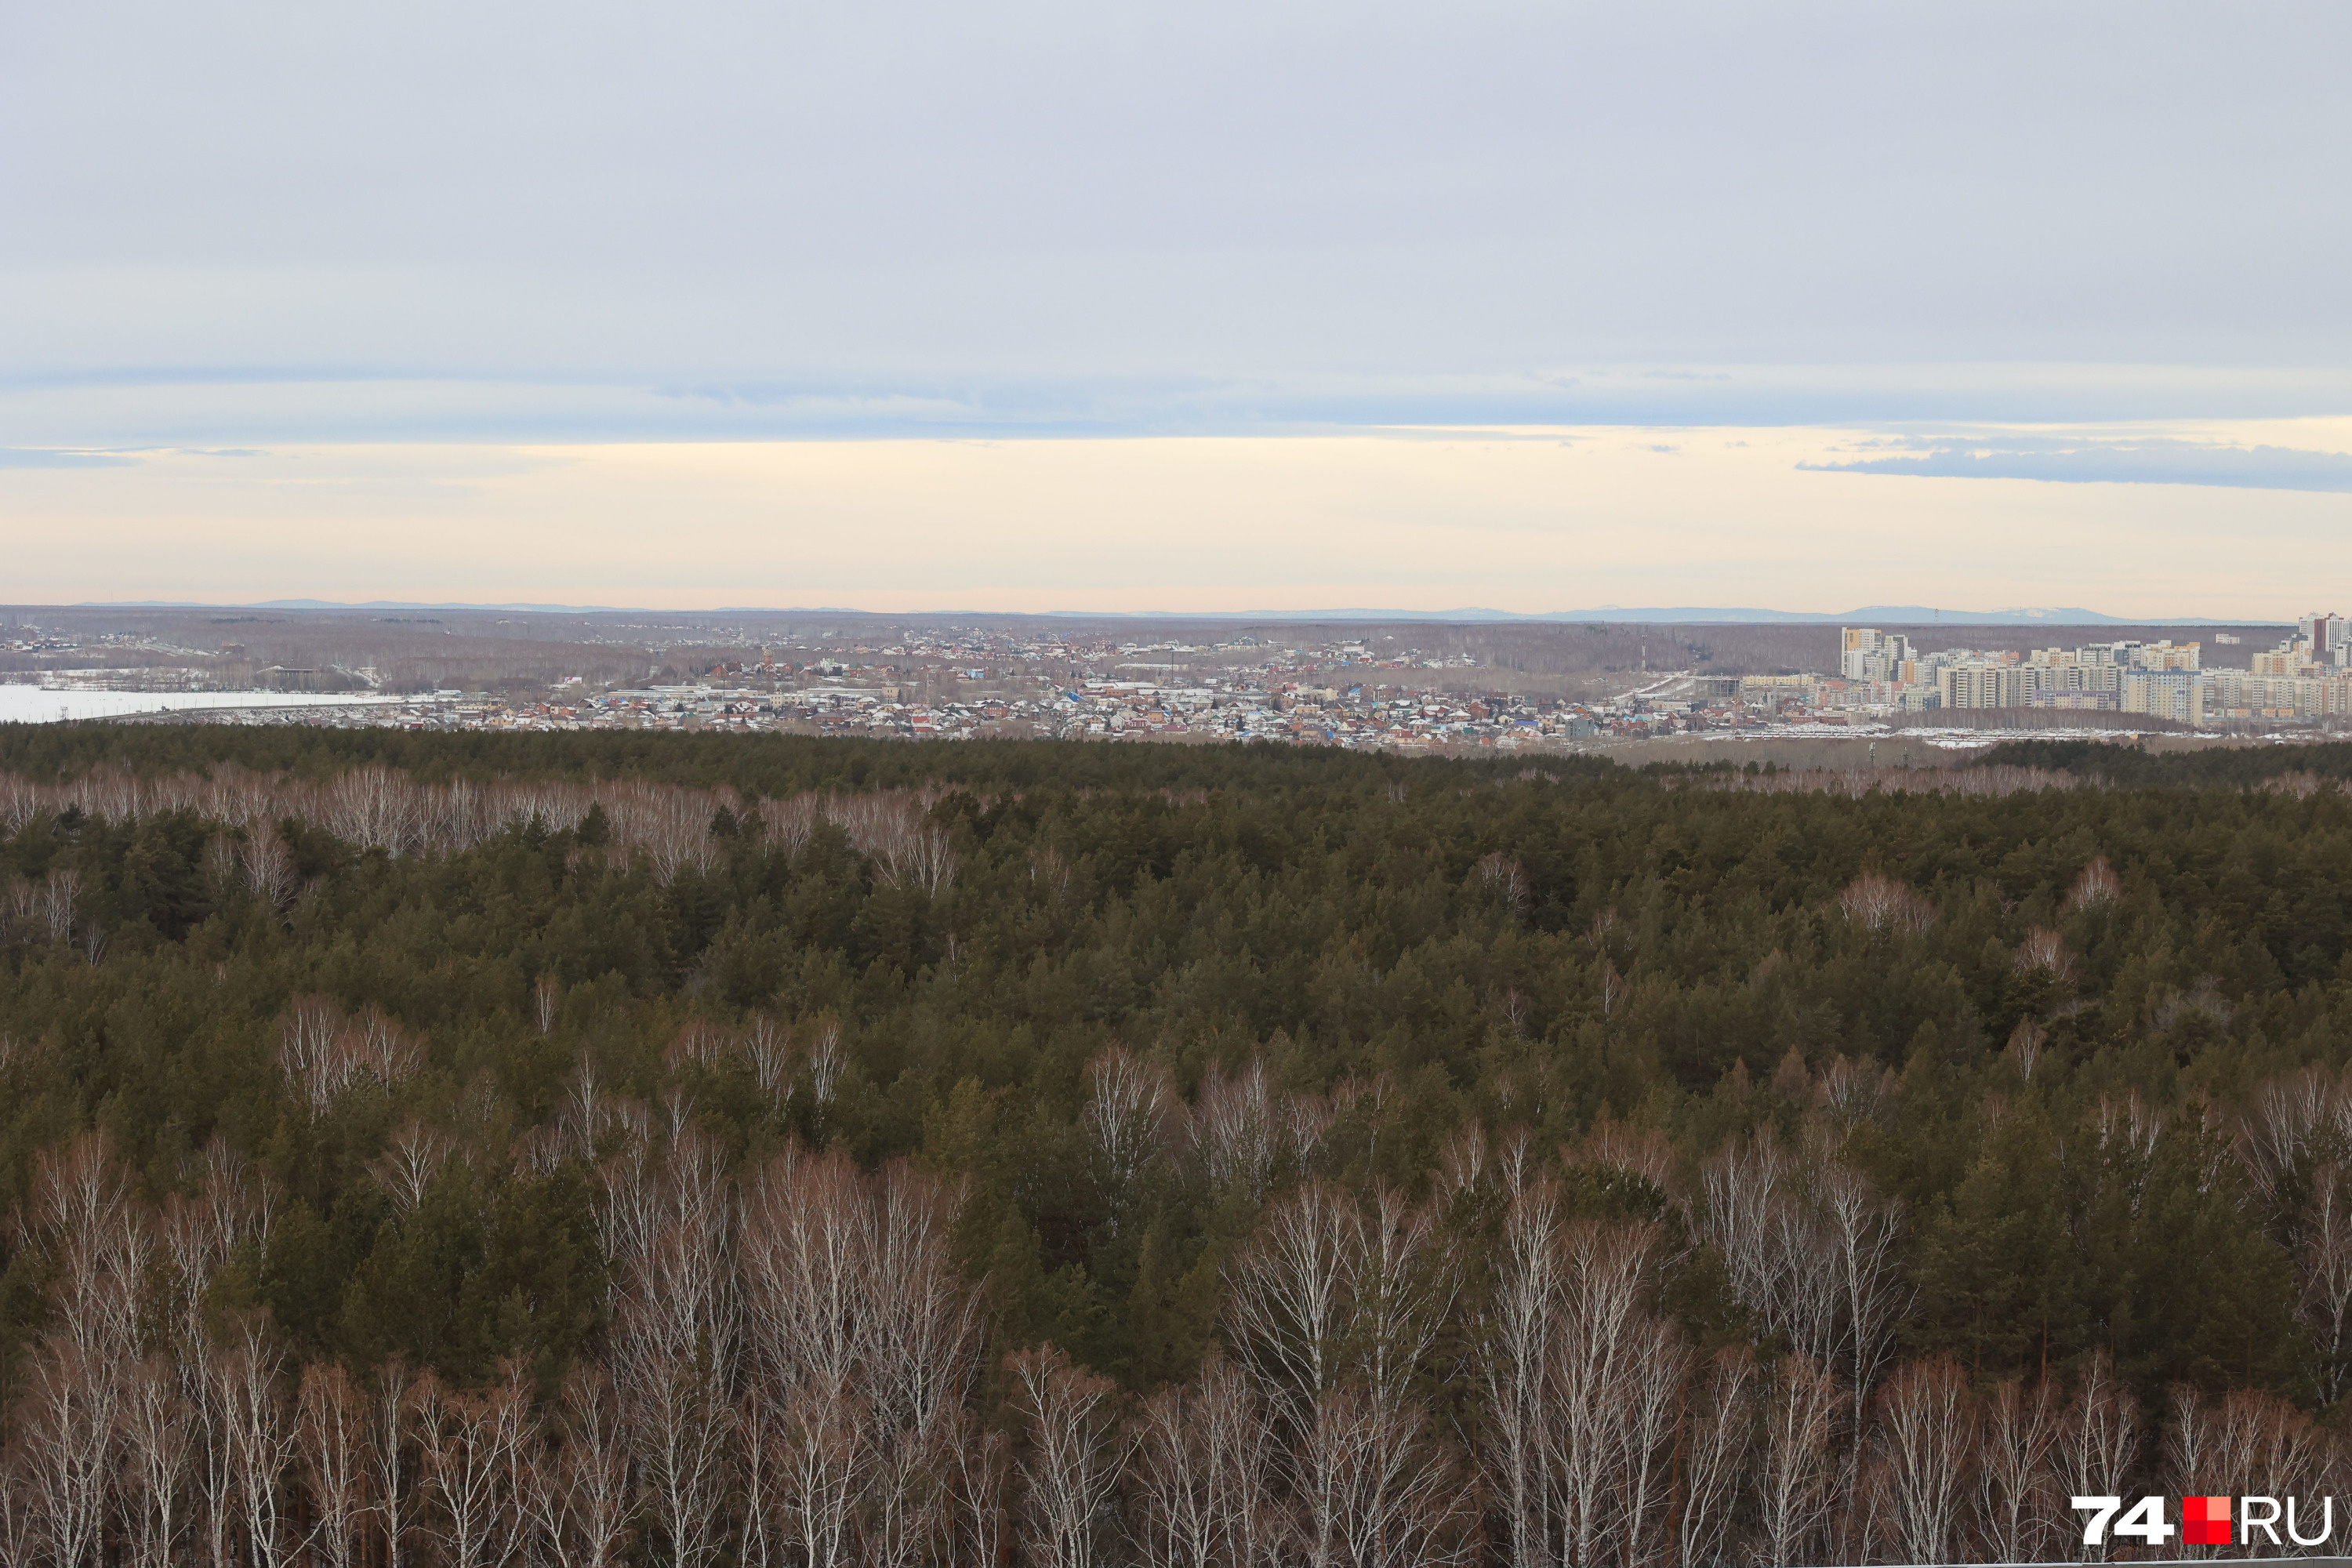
(593, 1149)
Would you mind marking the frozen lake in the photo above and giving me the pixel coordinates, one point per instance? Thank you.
(35, 705)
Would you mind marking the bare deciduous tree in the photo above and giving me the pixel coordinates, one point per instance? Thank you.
(1855, 1091)
(825, 1061)
(66, 1422)
(1653, 1397)
(668, 1226)
(268, 865)
(680, 1418)
(980, 1481)
(2025, 1045)
(1811, 1249)
(393, 1413)
(1403, 1289)
(1923, 1443)
(791, 822)
(323, 1052)
(913, 1512)
(100, 1242)
(1070, 1464)
(546, 1002)
(702, 1043)
(475, 1448)
(584, 1505)
(58, 895)
(306, 1045)
(862, 1345)
(2322, 1249)
(2298, 1120)
(889, 827)
(1291, 1295)
(2098, 1435)
(1796, 1482)
(929, 1330)
(1234, 1129)
(2097, 886)
(411, 1160)
(1876, 902)
(331, 1441)
(1173, 1488)
(1130, 1112)
(1858, 1234)
(247, 1379)
(20, 1527)
(2016, 1487)
(1721, 1422)
(155, 1462)
(1598, 1422)
(2045, 950)
(1506, 880)
(822, 1460)
(1385, 1497)
(768, 1049)
(1518, 1332)
(1256, 1523)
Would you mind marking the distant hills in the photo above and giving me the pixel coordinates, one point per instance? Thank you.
(1869, 615)
(376, 605)
(405, 604)
(1893, 614)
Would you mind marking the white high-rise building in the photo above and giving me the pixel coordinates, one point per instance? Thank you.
(1869, 654)
(2329, 635)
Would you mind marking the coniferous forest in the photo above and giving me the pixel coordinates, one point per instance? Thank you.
(469, 1151)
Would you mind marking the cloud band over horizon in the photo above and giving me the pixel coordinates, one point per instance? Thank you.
(2115, 461)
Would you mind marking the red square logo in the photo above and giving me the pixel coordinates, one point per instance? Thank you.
(2205, 1522)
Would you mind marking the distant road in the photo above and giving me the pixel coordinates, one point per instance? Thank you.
(1661, 687)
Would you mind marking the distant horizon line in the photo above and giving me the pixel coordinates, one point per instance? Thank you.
(1897, 615)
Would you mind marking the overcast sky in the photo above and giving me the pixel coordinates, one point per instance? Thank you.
(1959, 226)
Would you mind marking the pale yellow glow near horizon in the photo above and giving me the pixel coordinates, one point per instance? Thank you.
(1424, 520)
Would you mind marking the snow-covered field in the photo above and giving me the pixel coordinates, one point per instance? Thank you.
(36, 705)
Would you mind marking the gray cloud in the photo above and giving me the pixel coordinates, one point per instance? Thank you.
(192, 409)
(37, 458)
(2145, 462)
(1094, 207)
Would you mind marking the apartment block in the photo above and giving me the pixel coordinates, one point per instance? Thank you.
(1869, 654)
(1981, 683)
